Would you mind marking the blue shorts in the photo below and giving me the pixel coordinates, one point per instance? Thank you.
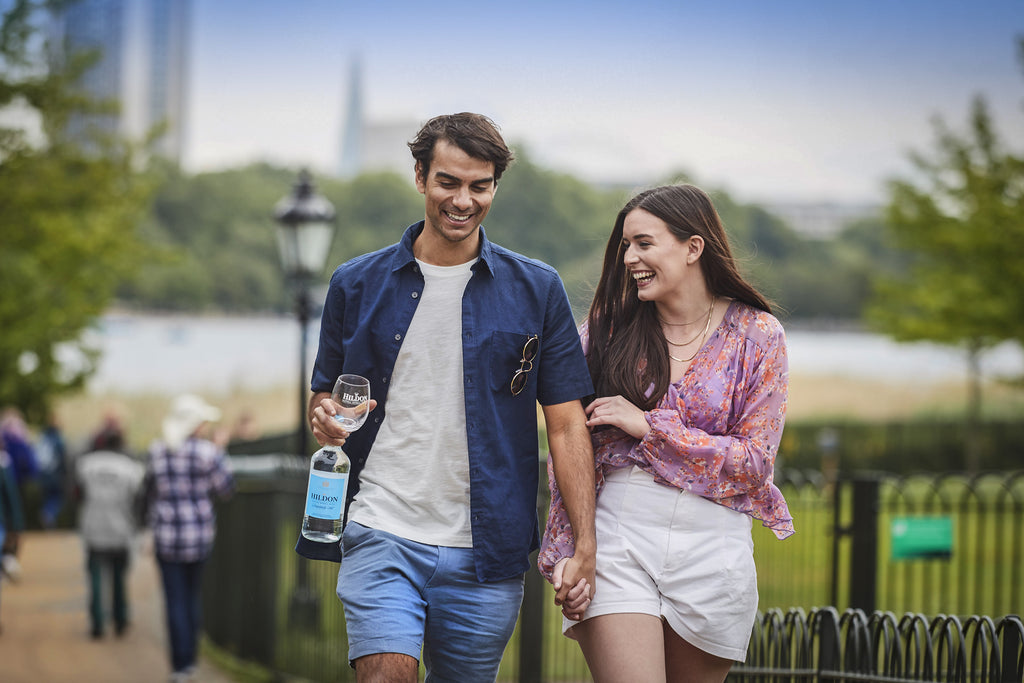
(407, 597)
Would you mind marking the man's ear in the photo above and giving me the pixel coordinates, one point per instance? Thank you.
(421, 181)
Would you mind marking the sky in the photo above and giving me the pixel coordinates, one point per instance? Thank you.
(770, 100)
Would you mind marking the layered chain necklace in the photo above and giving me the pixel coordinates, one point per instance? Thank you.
(702, 336)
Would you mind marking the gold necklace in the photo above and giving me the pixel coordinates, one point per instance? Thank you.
(685, 343)
(695, 320)
(707, 326)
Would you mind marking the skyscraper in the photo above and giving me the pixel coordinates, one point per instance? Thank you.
(372, 145)
(144, 47)
(352, 131)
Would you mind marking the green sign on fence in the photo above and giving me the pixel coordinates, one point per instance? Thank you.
(916, 538)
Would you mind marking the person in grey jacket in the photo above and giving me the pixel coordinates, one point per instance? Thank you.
(108, 484)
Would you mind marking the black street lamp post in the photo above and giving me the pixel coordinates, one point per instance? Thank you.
(305, 227)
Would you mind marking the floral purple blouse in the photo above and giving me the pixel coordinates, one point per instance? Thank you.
(714, 433)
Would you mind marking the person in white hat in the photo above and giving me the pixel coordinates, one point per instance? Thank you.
(185, 473)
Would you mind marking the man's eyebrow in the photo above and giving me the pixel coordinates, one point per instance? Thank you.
(455, 179)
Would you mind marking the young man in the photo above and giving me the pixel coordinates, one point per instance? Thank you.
(460, 339)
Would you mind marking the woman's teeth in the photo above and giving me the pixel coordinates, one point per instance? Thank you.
(642, 277)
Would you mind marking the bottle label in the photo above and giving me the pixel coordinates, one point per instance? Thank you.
(325, 495)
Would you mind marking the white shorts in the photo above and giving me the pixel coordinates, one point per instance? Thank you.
(677, 556)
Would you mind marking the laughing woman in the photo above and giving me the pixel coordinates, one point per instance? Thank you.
(691, 375)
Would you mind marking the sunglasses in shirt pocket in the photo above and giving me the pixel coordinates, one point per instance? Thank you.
(513, 362)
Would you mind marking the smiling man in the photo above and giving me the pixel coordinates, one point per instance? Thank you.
(460, 338)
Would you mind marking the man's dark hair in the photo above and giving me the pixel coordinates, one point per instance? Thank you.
(474, 134)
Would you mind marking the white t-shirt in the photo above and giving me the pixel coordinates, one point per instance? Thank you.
(416, 480)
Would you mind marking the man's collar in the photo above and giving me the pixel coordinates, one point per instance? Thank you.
(404, 256)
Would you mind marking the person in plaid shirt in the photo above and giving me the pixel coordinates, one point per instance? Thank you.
(185, 473)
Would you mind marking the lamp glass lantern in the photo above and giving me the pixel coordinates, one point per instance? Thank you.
(305, 229)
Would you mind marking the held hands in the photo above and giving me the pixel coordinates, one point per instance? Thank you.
(326, 429)
(618, 412)
(574, 598)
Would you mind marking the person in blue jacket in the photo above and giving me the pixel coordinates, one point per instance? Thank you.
(460, 339)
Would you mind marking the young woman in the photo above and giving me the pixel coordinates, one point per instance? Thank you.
(691, 374)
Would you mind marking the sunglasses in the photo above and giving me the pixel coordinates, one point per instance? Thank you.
(525, 365)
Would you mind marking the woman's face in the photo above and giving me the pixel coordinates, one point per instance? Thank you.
(656, 260)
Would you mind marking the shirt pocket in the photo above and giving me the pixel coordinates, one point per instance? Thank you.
(506, 359)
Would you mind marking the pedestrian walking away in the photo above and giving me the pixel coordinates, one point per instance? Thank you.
(186, 472)
(16, 441)
(51, 457)
(108, 485)
(12, 516)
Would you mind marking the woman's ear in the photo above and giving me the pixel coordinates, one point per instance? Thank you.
(694, 248)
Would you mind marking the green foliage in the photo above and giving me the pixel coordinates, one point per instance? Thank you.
(217, 242)
(765, 248)
(921, 444)
(219, 251)
(372, 211)
(69, 219)
(557, 219)
(962, 231)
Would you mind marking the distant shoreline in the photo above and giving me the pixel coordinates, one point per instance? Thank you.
(249, 363)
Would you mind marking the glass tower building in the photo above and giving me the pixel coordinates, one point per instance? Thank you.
(142, 65)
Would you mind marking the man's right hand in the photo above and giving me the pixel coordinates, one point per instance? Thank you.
(326, 429)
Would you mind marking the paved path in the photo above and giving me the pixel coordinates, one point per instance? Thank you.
(45, 621)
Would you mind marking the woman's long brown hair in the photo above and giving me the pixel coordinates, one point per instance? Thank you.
(627, 352)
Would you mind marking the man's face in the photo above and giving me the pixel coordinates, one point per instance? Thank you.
(458, 191)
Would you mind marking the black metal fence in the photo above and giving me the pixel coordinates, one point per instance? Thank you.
(267, 605)
(824, 645)
(933, 544)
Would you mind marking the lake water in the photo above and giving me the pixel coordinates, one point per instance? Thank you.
(166, 354)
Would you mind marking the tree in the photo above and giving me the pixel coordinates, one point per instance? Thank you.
(69, 216)
(217, 243)
(961, 227)
(556, 218)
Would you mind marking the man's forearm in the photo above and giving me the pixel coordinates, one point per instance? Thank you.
(573, 464)
(574, 472)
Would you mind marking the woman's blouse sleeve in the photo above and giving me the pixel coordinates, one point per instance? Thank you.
(741, 458)
(558, 540)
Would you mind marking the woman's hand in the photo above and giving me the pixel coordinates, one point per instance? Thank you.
(577, 599)
(618, 412)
